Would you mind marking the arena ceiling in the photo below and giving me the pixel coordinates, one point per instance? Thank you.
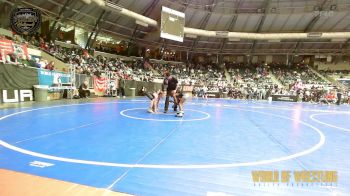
(258, 16)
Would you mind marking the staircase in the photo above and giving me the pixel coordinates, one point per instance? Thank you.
(275, 80)
(155, 72)
(59, 65)
(320, 75)
(227, 75)
(328, 79)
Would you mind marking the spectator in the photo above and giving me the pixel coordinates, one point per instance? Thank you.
(84, 91)
(339, 95)
(50, 66)
(42, 64)
(121, 89)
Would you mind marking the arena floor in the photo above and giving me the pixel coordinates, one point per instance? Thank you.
(116, 145)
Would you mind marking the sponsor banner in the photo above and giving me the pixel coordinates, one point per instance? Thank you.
(100, 84)
(14, 96)
(16, 83)
(291, 98)
(213, 94)
(297, 178)
(50, 78)
(6, 46)
(9, 47)
(187, 88)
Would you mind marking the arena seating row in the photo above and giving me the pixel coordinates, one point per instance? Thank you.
(240, 81)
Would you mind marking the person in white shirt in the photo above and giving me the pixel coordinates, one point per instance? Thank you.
(205, 90)
(42, 64)
(307, 95)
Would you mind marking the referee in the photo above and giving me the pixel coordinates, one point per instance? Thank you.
(170, 85)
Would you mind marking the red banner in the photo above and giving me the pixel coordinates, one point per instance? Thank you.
(9, 47)
(187, 88)
(5, 48)
(100, 84)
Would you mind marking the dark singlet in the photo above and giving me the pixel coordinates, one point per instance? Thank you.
(180, 95)
(149, 95)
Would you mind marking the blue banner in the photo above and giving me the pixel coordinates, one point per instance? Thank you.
(50, 78)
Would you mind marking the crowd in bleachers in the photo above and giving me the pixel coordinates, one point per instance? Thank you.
(304, 83)
(341, 76)
(250, 82)
(194, 74)
(17, 58)
(237, 80)
(84, 63)
(340, 73)
(288, 75)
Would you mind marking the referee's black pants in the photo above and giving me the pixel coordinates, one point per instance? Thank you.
(169, 94)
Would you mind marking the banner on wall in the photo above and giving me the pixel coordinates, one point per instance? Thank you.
(187, 88)
(100, 84)
(9, 47)
(50, 78)
(290, 98)
(15, 95)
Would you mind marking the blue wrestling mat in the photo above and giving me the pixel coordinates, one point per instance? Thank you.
(212, 150)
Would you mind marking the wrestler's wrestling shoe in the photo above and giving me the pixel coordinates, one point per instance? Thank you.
(150, 111)
(180, 114)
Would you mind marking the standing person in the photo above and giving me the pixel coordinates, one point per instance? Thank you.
(205, 92)
(339, 95)
(171, 86)
(165, 81)
(122, 87)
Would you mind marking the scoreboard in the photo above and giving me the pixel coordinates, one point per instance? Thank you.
(172, 24)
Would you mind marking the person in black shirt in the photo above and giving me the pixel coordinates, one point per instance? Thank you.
(165, 81)
(170, 84)
(121, 89)
(84, 91)
(339, 95)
